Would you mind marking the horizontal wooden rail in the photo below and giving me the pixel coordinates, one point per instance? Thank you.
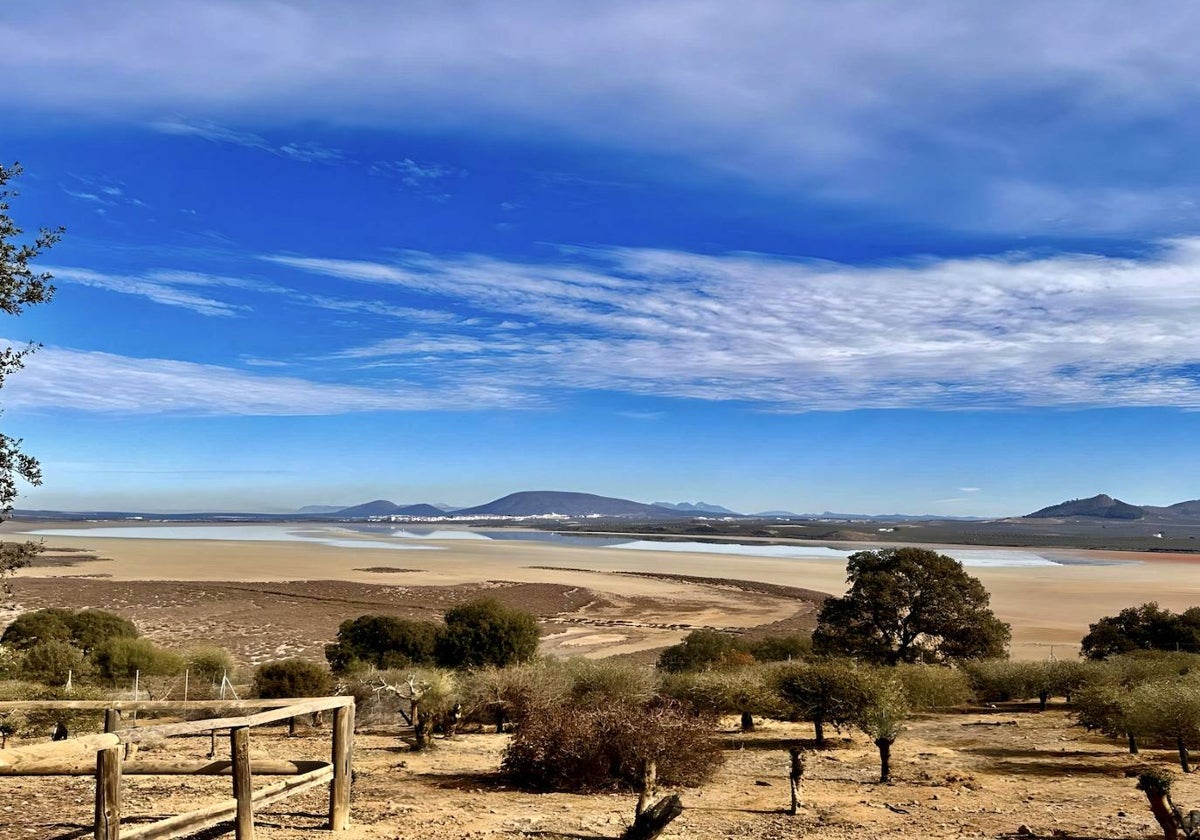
(210, 815)
(162, 705)
(16, 756)
(166, 767)
(99, 755)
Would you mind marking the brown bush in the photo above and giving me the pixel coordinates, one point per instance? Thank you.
(602, 746)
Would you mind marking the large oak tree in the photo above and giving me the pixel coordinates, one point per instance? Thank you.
(910, 605)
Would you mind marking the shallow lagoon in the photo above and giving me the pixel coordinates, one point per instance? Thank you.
(388, 537)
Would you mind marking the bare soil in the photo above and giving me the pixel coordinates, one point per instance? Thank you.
(951, 780)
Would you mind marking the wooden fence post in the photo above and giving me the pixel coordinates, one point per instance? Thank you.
(108, 794)
(239, 747)
(112, 720)
(343, 752)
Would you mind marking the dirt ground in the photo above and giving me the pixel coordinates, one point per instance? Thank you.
(952, 778)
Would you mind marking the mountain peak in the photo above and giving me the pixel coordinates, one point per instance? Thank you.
(1102, 506)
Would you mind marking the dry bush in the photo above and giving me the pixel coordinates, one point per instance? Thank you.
(742, 691)
(600, 680)
(603, 746)
(511, 694)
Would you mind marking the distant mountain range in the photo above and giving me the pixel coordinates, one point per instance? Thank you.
(696, 507)
(546, 502)
(382, 507)
(1104, 506)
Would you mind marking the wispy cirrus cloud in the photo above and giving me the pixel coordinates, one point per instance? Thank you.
(303, 151)
(986, 332)
(105, 383)
(170, 288)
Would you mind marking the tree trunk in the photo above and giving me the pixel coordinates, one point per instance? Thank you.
(499, 720)
(795, 775)
(747, 722)
(1133, 747)
(420, 728)
(1162, 813)
(1043, 698)
(291, 727)
(885, 757)
(649, 783)
(1183, 755)
(819, 726)
(654, 820)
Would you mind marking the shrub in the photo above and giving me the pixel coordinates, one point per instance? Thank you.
(512, 694)
(10, 662)
(934, 686)
(741, 691)
(209, 662)
(781, 648)
(291, 678)
(85, 629)
(50, 662)
(485, 632)
(701, 650)
(91, 628)
(604, 746)
(123, 658)
(382, 641)
(27, 629)
(600, 680)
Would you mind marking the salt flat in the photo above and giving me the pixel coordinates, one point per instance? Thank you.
(1048, 603)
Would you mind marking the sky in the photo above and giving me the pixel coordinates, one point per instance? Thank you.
(935, 257)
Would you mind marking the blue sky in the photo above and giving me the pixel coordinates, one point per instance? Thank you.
(937, 258)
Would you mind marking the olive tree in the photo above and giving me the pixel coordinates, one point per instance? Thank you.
(910, 605)
(882, 718)
(21, 286)
(832, 693)
(1168, 711)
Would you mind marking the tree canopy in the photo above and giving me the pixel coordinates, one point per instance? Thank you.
(485, 632)
(1148, 627)
(382, 641)
(21, 286)
(910, 605)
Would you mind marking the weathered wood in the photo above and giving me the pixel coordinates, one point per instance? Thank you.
(342, 760)
(649, 782)
(108, 794)
(655, 819)
(185, 825)
(795, 777)
(165, 705)
(84, 747)
(239, 749)
(112, 720)
(167, 767)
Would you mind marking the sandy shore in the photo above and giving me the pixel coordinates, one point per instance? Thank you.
(1046, 605)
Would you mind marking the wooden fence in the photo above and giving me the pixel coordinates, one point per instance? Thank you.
(104, 755)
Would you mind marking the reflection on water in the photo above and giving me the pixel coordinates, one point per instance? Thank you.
(384, 536)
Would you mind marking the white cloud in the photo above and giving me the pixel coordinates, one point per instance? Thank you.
(305, 152)
(62, 378)
(969, 489)
(983, 332)
(854, 99)
(161, 287)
